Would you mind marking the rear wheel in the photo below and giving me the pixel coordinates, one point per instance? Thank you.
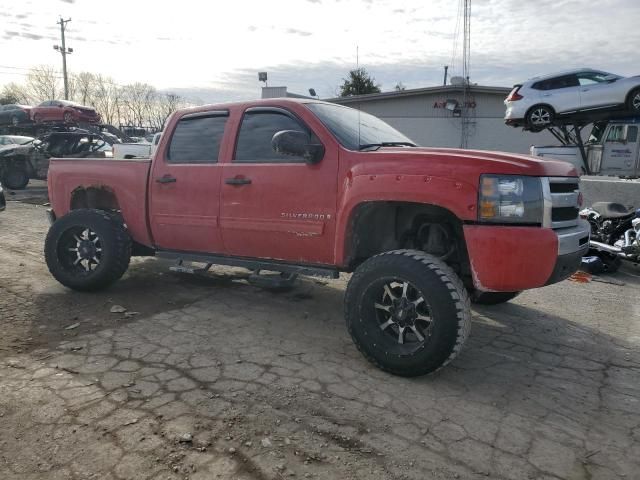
(492, 298)
(68, 117)
(633, 103)
(16, 178)
(15, 121)
(407, 312)
(36, 118)
(540, 116)
(87, 249)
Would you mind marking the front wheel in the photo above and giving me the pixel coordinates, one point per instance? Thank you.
(407, 312)
(87, 249)
(15, 121)
(539, 117)
(492, 298)
(68, 117)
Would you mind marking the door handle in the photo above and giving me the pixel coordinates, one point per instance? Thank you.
(585, 89)
(166, 179)
(237, 181)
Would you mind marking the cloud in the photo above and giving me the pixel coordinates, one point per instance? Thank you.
(68, 1)
(32, 36)
(295, 31)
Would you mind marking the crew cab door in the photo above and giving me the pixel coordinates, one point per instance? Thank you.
(276, 206)
(620, 150)
(184, 185)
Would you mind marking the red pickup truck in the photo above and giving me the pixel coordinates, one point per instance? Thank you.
(308, 187)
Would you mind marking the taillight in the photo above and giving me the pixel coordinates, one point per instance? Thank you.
(514, 95)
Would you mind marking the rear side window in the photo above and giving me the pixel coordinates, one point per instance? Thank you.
(256, 132)
(197, 140)
(632, 134)
(557, 82)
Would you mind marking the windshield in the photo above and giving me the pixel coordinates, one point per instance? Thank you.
(343, 123)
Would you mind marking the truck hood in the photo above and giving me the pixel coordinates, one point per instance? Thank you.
(459, 163)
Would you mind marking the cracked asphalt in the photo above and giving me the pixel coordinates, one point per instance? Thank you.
(212, 378)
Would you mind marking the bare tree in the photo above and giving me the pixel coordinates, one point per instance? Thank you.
(107, 99)
(43, 83)
(14, 93)
(84, 84)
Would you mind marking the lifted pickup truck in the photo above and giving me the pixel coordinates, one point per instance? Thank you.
(307, 187)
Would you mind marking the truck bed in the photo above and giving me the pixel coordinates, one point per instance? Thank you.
(126, 178)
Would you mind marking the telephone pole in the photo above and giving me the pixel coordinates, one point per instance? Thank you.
(64, 51)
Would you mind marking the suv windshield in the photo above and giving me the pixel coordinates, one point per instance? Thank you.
(343, 123)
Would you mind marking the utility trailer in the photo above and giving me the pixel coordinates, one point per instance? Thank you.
(613, 146)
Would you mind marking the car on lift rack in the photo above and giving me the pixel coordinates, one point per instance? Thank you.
(64, 111)
(537, 103)
(15, 115)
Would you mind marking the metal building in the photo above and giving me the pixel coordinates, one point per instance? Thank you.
(434, 117)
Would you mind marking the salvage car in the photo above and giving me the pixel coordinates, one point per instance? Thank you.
(21, 162)
(538, 102)
(14, 140)
(64, 111)
(13, 114)
(308, 187)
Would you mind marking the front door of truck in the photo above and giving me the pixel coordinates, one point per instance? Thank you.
(185, 185)
(620, 150)
(276, 206)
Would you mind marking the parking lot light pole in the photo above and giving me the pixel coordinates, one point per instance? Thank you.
(64, 51)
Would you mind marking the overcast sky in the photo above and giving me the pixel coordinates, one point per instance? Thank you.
(212, 50)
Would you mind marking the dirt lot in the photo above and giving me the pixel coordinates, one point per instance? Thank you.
(210, 378)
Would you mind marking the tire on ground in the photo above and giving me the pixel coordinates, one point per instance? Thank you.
(492, 298)
(114, 242)
(16, 178)
(443, 293)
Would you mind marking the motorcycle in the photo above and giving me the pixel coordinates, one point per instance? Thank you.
(615, 233)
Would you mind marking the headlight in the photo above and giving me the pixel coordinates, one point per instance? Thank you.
(510, 199)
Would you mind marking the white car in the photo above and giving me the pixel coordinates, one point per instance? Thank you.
(538, 102)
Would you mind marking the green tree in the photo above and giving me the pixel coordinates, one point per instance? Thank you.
(358, 83)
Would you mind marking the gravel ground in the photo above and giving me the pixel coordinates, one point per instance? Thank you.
(209, 378)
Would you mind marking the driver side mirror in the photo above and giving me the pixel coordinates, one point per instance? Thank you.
(297, 143)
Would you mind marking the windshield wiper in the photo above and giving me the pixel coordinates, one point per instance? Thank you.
(386, 144)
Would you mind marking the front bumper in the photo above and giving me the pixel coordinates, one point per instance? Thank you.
(510, 259)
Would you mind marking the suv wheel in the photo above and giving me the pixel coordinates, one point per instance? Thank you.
(540, 116)
(407, 312)
(87, 249)
(16, 178)
(634, 101)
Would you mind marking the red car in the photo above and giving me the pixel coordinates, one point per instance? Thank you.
(64, 111)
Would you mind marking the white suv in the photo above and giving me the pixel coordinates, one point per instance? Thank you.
(538, 102)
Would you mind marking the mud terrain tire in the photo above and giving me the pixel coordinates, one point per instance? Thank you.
(102, 249)
(387, 303)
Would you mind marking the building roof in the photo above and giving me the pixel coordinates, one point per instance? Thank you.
(441, 89)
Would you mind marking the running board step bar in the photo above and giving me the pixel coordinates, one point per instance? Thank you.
(248, 263)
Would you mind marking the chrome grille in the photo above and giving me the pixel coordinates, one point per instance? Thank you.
(561, 201)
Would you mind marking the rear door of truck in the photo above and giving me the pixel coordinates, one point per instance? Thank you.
(184, 185)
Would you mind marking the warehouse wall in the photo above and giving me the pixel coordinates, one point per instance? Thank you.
(417, 117)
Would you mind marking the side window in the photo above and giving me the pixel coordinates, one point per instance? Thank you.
(616, 134)
(562, 82)
(197, 140)
(591, 78)
(256, 132)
